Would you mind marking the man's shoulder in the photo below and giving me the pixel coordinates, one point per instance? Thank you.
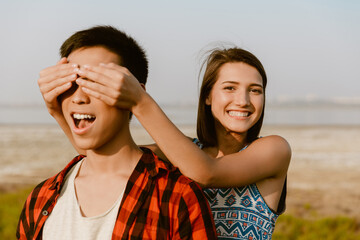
(163, 168)
(46, 188)
(186, 202)
(175, 174)
(169, 175)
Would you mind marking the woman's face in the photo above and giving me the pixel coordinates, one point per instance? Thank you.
(237, 97)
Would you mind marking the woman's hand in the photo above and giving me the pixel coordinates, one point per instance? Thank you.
(111, 83)
(54, 81)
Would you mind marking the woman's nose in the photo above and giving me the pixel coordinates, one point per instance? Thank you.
(242, 98)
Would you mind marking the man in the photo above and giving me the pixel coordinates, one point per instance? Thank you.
(118, 190)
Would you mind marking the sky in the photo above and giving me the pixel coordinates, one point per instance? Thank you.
(310, 48)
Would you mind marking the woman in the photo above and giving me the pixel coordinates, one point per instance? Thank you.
(244, 176)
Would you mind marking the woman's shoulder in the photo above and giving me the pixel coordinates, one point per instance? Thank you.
(273, 141)
(272, 138)
(274, 147)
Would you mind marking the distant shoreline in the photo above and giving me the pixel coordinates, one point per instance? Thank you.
(292, 114)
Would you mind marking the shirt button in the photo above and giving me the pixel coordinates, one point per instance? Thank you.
(45, 213)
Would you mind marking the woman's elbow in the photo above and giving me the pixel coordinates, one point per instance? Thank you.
(206, 180)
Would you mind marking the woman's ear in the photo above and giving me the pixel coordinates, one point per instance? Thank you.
(208, 100)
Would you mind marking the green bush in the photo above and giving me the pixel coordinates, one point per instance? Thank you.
(288, 227)
(335, 228)
(10, 207)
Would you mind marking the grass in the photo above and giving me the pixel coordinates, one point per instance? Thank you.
(288, 227)
(10, 207)
(330, 228)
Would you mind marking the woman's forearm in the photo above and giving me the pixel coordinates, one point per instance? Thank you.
(178, 148)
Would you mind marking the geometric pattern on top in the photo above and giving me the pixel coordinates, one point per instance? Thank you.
(241, 213)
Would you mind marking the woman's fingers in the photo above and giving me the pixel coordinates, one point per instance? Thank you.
(57, 76)
(103, 97)
(51, 96)
(58, 69)
(49, 83)
(113, 84)
(101, 75)
(96, 87)
(54, 81)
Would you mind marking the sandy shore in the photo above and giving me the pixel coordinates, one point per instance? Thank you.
(324, 175)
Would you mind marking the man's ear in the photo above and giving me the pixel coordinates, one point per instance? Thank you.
(143, 86)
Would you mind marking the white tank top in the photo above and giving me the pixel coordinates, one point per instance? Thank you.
(67, 222)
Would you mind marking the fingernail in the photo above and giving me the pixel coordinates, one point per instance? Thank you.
(78, 81)
(86, 66)
(102, 64)
(74, 65)
(85, 89)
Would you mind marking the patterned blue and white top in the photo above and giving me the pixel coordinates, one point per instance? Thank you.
(241, 212)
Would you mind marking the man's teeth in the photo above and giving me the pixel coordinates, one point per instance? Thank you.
(82, 116)
(238, 114)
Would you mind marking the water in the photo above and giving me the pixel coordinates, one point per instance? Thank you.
(301, 114)
(25, 115)
(313, 114)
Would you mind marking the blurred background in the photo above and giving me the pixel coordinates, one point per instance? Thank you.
(310, 50)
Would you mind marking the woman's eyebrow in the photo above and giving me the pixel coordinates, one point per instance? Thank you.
(235, 82)
(256, 85)
(232, 82)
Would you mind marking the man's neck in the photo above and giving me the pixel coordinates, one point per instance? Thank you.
(104, 174)
(119, 156)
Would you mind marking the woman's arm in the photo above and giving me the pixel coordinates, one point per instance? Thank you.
(265, 158)
(155, 148)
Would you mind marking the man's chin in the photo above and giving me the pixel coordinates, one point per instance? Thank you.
(85, 144)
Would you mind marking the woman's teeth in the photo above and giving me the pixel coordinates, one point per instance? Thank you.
(238, 114)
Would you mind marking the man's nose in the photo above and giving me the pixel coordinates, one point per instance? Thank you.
(80, 97)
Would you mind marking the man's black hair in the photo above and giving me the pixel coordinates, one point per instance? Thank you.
(131, 55)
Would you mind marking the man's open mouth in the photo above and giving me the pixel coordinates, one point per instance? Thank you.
(83, 120)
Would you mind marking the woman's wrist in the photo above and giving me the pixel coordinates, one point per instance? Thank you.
(144, 104)
(55, 113)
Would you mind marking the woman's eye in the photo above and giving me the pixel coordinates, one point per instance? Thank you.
(255, 90)
(229, 88)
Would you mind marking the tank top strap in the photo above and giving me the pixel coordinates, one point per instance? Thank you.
(198, 143)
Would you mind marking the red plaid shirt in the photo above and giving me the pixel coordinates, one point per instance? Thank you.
(158, 203)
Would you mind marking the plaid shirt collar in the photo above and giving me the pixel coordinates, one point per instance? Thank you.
(141, 196)
(153, 165)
